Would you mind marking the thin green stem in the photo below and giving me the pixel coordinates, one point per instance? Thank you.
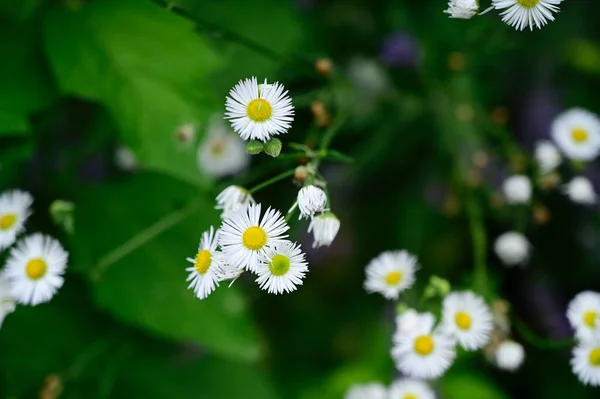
(143, 237)
(478, 242)
(537, 341)
(272, 180)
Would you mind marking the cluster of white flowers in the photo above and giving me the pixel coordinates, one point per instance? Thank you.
(34, 270)
(517, 13)
(399, 389)
(584, 316)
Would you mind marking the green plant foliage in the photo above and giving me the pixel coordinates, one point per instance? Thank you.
(147, 66)
(138, 271)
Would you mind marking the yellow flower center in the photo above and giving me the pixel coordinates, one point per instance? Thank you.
(259, 110)
(410, 396)
(423, 345)
(528, 3)
(463, 320)
(254, 238)
(203, 260)
(579, 135)
(7, 221)
(279, 265)
(393, 278)
(595, 357)
(589, 318)
(36, 268)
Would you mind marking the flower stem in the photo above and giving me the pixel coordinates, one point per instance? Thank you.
(272, 180)
(479, 244)
(537, 341)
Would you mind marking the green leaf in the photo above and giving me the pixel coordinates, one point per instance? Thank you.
(456, 383)
(133, 238)
(147, 66)
(19, 9)
(25, 81)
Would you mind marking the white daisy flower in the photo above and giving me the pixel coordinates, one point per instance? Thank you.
(311, 199)
(576, 132)
(584, 314)
(517, 189)
(126, 160)
(7, 302)
(391, 272)
(547, 156)
(245, 237)
(424, 353)
(232, 199)
(522, 13)
(509, 355)
(463, 9)
(281, 268)
(372, 390)
(586, 361)
(411, 389)
(221, 152)
(14, 210)
(257, 112)
(512, 248)
(35, 269)
(581, 191)
(467, 317)
(324, 228)
(204, 275)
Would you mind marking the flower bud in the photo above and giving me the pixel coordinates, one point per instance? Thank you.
(273, 147)
(254, 147)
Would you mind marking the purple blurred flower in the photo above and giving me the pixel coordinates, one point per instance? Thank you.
(540, 108)
(400, 49)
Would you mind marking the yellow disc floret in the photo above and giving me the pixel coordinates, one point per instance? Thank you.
(393, 278)
(254, 238)
(7, 221)
(279, 265)
(203, 261)
(589, 318)
(463, 320)
(595, 357)
(259, 110)
(528, 3)
(424, 345)
(579, 135)
(36, 268)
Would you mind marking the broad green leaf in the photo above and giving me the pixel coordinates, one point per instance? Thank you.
(463, 382)
(19, 9)
(154, 374)
(244, 19)
(132, 238)
(146, 65)
(26, 83)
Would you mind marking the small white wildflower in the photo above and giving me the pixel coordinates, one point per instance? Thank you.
(231, 199)
(245, 236)
(509, 355)
(186, 134)
(512, 248)
(411, 389)
(15, 208)
(7, 302)
(522, 13)
(257, 113)
(372, 390)
(581, 191)
(517, 189)
(467, 317)
(282, 268)
(35, 269)
(390, 273)
(125, 159)
(586, 361)
(311, 199)
(584, 314)
(547, 156)
(221, 152)
(576, 132)
(204, 275)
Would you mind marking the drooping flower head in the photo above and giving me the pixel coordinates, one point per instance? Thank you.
(581, 191)
(324, 228)
(311, 199)
(547, 156)
(258, 112)
(509, 355)
(463, 9)
(512, 248)
(221, 152)
(517, 189)
(232, 199)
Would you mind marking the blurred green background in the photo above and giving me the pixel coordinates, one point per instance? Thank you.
(422, 98)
